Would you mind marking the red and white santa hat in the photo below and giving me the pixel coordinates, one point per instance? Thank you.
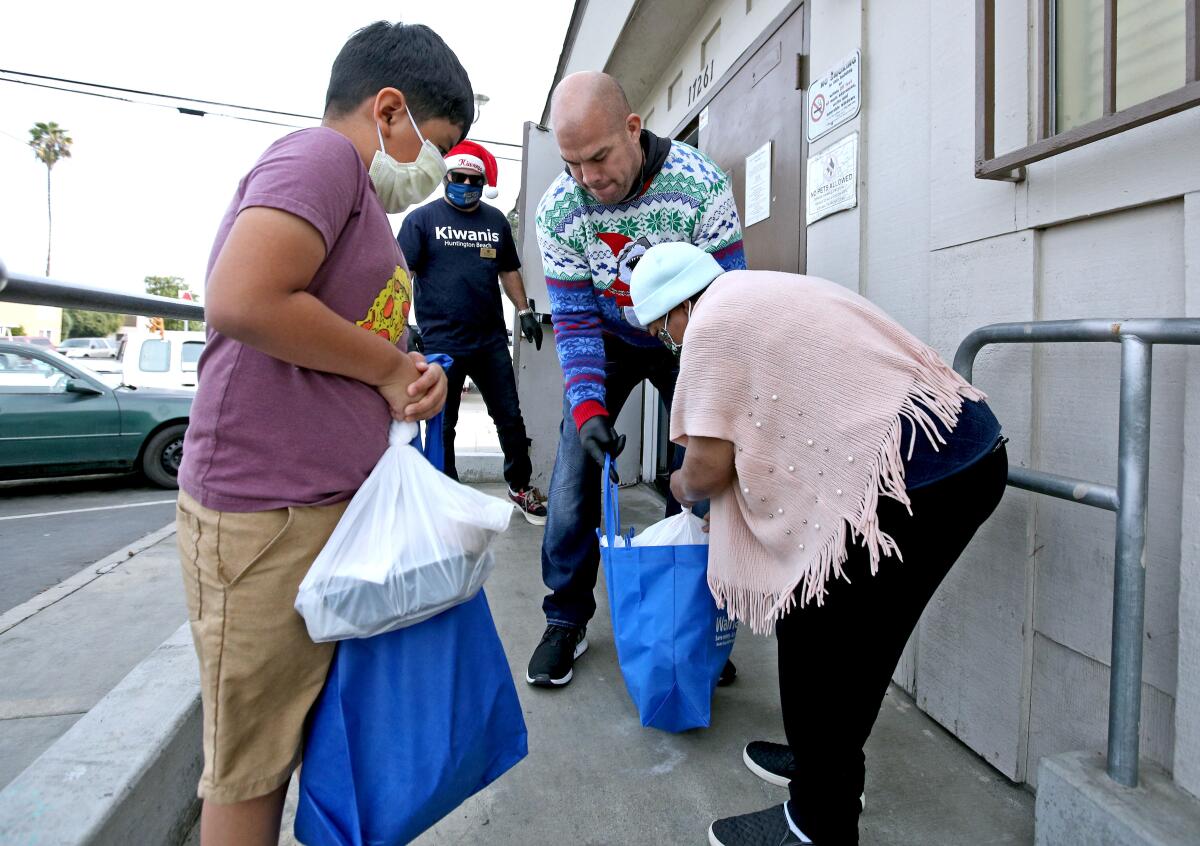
(468, 155)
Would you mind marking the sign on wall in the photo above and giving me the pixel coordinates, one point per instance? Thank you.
(835, 98)
(832, 184)
(758, 185)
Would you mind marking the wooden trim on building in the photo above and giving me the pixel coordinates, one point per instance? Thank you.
(739, 63)
(1109, 101)
(985, 80)
(1045, 72)
(1010, 166)
(1192, 62)
(1000, 167)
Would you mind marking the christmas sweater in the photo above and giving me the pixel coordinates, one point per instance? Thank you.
(586, 247)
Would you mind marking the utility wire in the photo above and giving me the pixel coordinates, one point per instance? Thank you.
(15, 138)
(180, 109)
(154, 94)
(175, 97)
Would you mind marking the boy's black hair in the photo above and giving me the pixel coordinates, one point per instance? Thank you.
(410, 57)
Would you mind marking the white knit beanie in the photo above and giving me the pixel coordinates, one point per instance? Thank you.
(667, 275)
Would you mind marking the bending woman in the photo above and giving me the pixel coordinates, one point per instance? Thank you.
(848, 467)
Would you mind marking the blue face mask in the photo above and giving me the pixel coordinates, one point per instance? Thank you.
(463, 195)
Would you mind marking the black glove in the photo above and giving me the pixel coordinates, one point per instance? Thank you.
(599, 439)
(415, 342)
(531, 328)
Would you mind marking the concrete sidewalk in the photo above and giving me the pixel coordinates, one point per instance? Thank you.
(593, 776)
(66, 648)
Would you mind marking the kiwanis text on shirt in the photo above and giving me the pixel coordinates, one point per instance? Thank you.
(453, 237)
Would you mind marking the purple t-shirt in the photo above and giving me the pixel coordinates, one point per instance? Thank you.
(266, 434)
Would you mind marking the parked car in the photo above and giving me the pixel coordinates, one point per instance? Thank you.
(88, 348)
(36, 340)
(58, 419)
(161, 360)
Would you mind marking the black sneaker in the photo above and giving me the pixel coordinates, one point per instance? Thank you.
(552, 661)
(774, 763)
(763, 828)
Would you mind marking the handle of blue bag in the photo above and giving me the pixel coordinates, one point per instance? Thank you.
(433, 449)
(612, 508)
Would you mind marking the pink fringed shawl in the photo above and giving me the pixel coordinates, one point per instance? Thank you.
(810, 382)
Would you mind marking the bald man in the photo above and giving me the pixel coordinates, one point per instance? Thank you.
(622, 190)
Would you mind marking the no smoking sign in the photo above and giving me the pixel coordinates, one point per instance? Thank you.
(835, 98)
(818, 107)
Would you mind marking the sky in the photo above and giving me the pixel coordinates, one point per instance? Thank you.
(146, 187)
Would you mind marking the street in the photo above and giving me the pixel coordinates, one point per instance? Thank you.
(51, 529)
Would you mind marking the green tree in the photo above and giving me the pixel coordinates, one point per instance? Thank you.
(171, 286)
(89, 324)
(50, 143)
(18, 331)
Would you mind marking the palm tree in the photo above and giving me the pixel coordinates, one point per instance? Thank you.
(50, 143)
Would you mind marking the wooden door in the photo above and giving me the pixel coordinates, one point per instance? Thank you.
(762, 101)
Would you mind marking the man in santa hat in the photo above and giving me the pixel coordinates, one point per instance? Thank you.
(458, 249)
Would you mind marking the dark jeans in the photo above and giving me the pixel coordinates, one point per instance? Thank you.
(570, 548)
(836, 660)
(491, 369)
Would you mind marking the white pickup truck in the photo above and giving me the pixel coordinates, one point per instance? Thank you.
(154, 360)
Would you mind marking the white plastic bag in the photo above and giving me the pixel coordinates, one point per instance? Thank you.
(684, 529)
(412, 543)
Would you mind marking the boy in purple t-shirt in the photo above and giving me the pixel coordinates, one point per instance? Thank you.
(295, 398)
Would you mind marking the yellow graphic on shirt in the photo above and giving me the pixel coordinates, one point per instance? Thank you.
(388, 316)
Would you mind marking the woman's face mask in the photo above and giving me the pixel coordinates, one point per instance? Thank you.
(400, 184)
(664, 334)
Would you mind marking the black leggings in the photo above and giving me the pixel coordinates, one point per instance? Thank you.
(836, 660)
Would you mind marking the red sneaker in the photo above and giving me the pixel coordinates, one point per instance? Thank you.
(532, 504)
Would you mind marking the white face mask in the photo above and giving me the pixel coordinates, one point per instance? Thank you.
(400, 184)
(664, 334)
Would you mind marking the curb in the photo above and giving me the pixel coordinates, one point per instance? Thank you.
(126, 773)
(475, 467)
(1079, 805)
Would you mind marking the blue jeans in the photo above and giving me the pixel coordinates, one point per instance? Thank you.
(975, 436)
(570, 547)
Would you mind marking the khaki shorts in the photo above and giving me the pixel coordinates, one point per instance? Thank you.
(259, 671)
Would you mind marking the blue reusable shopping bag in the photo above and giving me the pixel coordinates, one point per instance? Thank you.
(433, 427)
(409, 725)
(672, 642)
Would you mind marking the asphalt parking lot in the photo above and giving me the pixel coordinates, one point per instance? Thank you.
(51, 529)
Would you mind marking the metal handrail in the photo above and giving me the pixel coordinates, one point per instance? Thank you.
(1128, 499)
(37, 290)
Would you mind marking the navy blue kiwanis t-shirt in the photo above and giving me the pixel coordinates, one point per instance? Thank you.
(456, 257)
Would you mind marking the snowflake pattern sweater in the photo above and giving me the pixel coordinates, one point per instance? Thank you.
(586, 247)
